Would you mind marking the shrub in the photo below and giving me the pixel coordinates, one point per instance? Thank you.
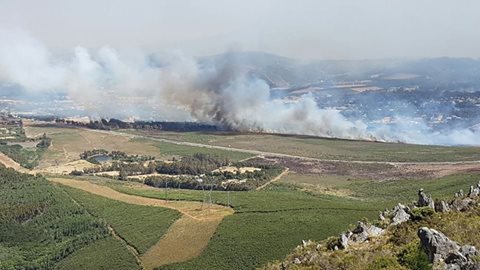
(384, 263)
(413, 257)
(422, 213)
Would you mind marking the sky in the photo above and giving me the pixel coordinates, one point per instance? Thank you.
(305, 29)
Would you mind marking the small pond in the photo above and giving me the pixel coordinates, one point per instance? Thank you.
(101, 158)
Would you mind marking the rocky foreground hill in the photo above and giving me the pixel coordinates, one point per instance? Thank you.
(428, 234)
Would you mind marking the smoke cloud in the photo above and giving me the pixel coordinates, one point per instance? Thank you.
(111, 83)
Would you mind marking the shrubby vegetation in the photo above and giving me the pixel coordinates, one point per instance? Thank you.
(196, 172)
(44, 142)
(193, 165)
(31, 236)
(190, 172)
(27, 158)
(112, 123)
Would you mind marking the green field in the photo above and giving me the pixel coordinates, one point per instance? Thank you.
(140, 226)
(382, 191)
(104, 254)
(268, 224)
(171, 149)
(324, 148)
(406, 190)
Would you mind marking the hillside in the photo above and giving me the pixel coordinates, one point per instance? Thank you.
(429, 234)
(30, 235)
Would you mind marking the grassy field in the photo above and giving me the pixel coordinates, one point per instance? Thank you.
(69, 143)
(170, 149)
(269, 223)
(398, 248)
(266, 224)
(104, 254)
(406, 190)
(324, 148)
(140, 226)
(388, 192)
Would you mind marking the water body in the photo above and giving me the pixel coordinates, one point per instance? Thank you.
(102, 158)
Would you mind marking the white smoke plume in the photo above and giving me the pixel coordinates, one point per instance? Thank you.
(177, 87)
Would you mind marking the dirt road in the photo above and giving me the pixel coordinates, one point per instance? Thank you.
(274, 179)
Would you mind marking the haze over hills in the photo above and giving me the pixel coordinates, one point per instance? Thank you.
(426, 101)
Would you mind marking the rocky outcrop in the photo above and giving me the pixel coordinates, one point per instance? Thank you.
(424, 200)
(362, 233)
(445, 253)
(441, 207)
(474, 191)
(400, 214)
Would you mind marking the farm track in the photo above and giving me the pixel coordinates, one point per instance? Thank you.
(273, 154)
(186, 238)
(276, 178)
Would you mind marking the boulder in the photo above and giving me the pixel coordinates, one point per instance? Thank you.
(442, 207)
(363, 232)
(423, 200)
(445, 253)
(343, 241)
(473, 192)
(469, 251)
(436, 244)
(400, 214)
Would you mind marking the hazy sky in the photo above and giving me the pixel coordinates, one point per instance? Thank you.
(337, 29)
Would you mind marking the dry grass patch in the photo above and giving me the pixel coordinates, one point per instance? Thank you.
(66, 168)
(69, 143)
(181, 242)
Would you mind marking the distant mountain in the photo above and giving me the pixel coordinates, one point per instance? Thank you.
(285, 72)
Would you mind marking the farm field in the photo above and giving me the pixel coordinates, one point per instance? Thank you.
(250, 236)
(69, 143)
(282, 211)
(323, 148)
(185, 238)
(140, 226)
(107, 253)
